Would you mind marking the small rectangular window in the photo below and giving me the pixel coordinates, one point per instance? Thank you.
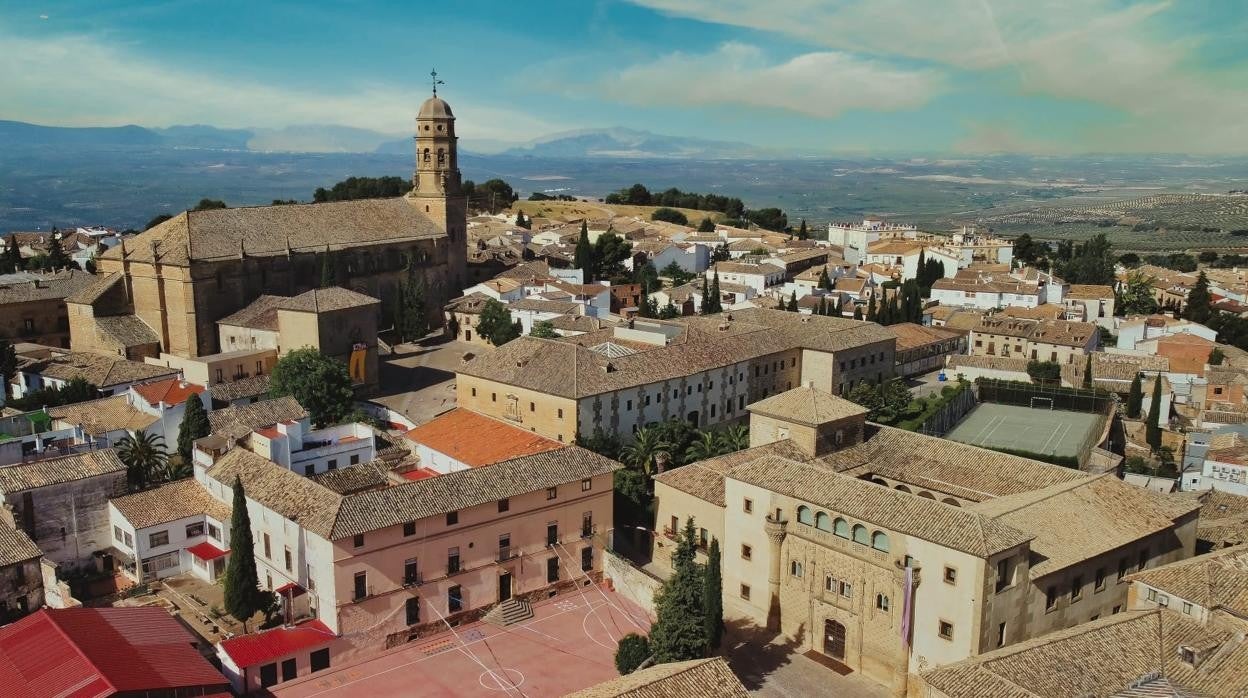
(412, 610)
(289, 560)
(745, 591)
(552, 492)
(358, 540)
(452, 518)
(409, 528)
(319, 659)
(587, 484)
(1050, 598)
(158, 538)
(504, 505)
(747, 553)
(946, 630)
(1076, 589)
(951, 575)
(748, 505)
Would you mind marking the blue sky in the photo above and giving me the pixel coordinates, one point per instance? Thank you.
(877, 76)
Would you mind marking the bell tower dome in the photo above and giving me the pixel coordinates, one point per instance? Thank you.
(436, 184)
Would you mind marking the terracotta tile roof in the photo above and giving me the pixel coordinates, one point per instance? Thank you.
(1088, 292)
(255, 386)
(577, 323)
(238, 420)
(996, 363)
(536, 269)
(16, 546)
(54, 471)
(696, 678)
(170, 502)
(29, 287)
(909, 514)
(912, 336)
(1223, 518)
(1124, 367)
(1111, 655)
(273, 230)
(1048, 311)
(965, 471)
(261, 314)
(895, 247)
(125, 331)
(545, 306)
(172, 391)
(982, 286)
(568, 369)
(97, 417)
(100, 284)
(1217, 580)
(1109, 512)
(355, 478)
(743, 268)
(704, 479)
(332, 516)
(103, 652)
(850, 285)
(100, 370)
(808, 406)
(491, 440)
(471, 304)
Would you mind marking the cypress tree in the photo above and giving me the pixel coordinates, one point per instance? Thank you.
(1135, 400)
(242, 585)
(713, 592)
(679, 631)
(825, 281)
(1153, 433)
(857, 312)
(585, 254)
(194, 426)
(920, 269)
(822, 308)
(57, 259)
(706, 298)
(327, 272)
(802, 232)
(792, 307)
(871, 308)
(718, 304)
(1199, 302)
(13, 253)
(1087, 373)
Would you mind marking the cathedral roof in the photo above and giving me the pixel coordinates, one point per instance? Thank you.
(435, 108)
(266, 231)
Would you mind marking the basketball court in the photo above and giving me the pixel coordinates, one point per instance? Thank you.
(569, 644)
(1036, 429)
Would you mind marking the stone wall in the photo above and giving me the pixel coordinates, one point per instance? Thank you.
(630, 582)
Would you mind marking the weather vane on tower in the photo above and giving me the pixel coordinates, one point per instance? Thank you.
(433, 75)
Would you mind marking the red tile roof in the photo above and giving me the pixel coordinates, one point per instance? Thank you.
(207, 551)
(477, 440)
(264, 647)
(99, 652)
(171, 391)
(420, 474)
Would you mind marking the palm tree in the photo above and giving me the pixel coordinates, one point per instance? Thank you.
(707, 445)
(734, 438)
(176, 469)
(647, 443)
(145, 457)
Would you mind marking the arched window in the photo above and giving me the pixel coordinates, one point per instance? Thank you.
(951, 501)
(861, 535)
(841, 528)
(441, 156)
(426, 155)
(795, 568)
(902, 488)
(823, 522)
(927, 495)
(881, 602)
(804, 515)
(879, 541)
(878, 481)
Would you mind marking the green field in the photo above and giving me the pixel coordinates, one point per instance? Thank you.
(1033, 430)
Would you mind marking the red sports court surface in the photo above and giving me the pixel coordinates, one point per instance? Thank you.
(568, 645)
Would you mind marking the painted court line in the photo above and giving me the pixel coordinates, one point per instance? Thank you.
(589, 606)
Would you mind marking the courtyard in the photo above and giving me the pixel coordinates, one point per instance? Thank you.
(568, 645)
(419, 379)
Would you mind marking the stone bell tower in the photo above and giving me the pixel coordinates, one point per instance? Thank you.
(436, 189)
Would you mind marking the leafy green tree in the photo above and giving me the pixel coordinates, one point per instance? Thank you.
(194, 426)
(496, 324)
(734, 438)
(610, 251)
(707, 445)
(769, 218)
(648, 277)
(1089, 263)
(678, 275)
(632, 651)
(1199, 301)
(57, 259)
(1136, 295)
(1135, 399)
(544, 329)
(319, 383)
(584, 259)
(886, 403)
(522, 221)
(493, 194)
(721, 253)
(411, 319)
(241, 583)
(1216, 357)
(679, 632)
(1153, 427)
(353, 188)
(1044, 371)
(8, 367)
(1129, 260)
(76, 390)
(669, 215)
(642, 453)
(1207, 257)
(713, 593)
(144, 456)
(706, 226)
(668, 311)
(209, 204)
(604, 443)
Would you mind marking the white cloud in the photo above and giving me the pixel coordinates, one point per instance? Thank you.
(78, 80)
(820, 84)
(1099, 51)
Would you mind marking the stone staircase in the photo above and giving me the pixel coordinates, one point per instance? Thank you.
(509, 612)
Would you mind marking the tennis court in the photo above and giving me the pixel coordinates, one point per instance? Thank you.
(1032, 429)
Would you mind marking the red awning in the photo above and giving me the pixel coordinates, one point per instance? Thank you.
(207, 551)
(290, 589)
(269, 645)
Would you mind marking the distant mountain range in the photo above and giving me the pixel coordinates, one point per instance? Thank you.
(612, 143)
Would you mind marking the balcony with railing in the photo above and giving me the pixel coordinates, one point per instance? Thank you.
(506, 553)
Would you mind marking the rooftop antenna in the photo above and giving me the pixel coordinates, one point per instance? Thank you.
(433, 76)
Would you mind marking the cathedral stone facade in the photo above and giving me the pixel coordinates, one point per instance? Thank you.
(164, 290)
